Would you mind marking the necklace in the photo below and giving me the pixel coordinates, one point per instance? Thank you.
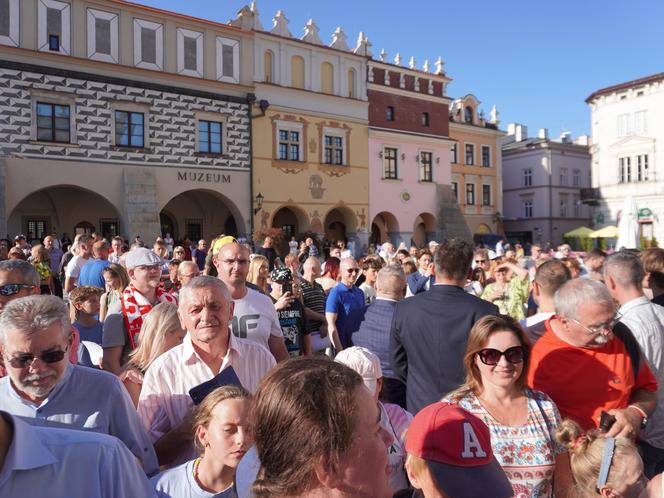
(197, 463)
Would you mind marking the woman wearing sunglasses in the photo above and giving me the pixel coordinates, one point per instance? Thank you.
(522, 422)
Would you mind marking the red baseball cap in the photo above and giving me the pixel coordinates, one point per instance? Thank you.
(457, 447)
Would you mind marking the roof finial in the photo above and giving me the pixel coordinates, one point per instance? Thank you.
(363, 45)
(339, 40)
(383, 55)
(311, 33)
(411, 63)
(440, 65)
(425, 66)
(397, 59)
(494, 115)
(280, 25)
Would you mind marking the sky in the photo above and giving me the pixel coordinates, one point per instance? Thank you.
(536, 61)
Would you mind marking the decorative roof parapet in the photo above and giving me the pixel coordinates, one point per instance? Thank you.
(247, 18)
(363, 45)
(256, 17)
(339, 40)
(411, 63)
(311, 33)
(494, 116)
(425, 66)
(397, 59)
(383, 55)
(440, 65)
(280, 25)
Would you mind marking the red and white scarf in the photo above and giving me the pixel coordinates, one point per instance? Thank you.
(135, 307)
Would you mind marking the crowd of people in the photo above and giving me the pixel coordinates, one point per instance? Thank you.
(216, 369)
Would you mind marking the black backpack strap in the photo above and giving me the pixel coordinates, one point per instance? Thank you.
(623, 333)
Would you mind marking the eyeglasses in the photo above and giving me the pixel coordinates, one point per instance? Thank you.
(11, 289)
(597, 329)
(490, 356)
(23, 360)
(353, 270)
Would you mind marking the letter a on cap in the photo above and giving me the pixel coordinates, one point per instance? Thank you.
(471, 445)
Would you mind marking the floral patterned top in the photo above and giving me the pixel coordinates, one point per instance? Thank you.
(43, 269)
(526, 453)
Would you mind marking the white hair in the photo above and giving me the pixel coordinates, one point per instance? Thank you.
(578, 291)
(33, 313)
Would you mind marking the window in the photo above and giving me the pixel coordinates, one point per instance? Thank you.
(642, 168)
(210, 137)
(268, 67)
(468, 114)
(641, 122)
(109, 227)
(53, 123)
(9, 23)
(102, 36)
(455, 190)
(576, 202)
(623, 125)
(289, 145)
(148, 44)
(426, 160)
(334, 150)
(193, 228)
(527, 208)
(563, 205)
(54, 23)
(624, 170)
(352, 81)
(36, 229)
(190, 52)
(389, 113)
(425, 119)
(576, 178)
(455, 153)
(327, 78)
(297, 72)
(228, 60)
(527, 177)
(486, 156)
(486, 195)
(563, 176)
(390, 163)
(470, 194)
(129, 129)
(470, 154)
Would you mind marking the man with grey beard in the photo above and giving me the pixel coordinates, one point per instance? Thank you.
(588, 363)
(44, 389)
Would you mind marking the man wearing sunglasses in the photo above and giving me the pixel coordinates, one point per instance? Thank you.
(624, 275)
(18, 278)
(43, 388)
(588, 363)
(343, 299)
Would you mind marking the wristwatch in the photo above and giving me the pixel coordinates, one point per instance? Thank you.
(644, 415)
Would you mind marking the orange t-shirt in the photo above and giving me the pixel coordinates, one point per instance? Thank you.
(583, 382)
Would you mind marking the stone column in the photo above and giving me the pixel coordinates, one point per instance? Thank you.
(140, 210)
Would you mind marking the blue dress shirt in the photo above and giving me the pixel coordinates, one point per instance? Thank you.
(63, 463)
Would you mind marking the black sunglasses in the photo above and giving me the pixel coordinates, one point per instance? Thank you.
(490, 356)
(11, 289)
(23, 360)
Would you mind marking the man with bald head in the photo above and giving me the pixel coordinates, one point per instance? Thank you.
(255, 317)
(369, 327)
(205, 310)
(343, 298)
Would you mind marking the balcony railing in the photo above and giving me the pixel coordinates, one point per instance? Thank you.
(590, 195)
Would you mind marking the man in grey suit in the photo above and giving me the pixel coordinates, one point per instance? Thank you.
(430, 330)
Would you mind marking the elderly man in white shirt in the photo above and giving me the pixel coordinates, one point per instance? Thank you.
(205, 311)
(59, 463)
(623, 275)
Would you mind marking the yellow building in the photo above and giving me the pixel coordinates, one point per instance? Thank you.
(310, 132)
(477, 165)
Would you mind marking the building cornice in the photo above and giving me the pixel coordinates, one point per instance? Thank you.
(407, 93)
(309, 45)
(389, 132)
(470, 128)
(625, 86)
(418, 73)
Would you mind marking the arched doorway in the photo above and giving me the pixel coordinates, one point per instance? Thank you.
(384, 228)
(292, 222)
(424, 229)
(167, 223)
(200, 214)
(340, 222)
(64, 209)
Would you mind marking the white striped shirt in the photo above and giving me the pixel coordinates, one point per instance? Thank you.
(165, 401)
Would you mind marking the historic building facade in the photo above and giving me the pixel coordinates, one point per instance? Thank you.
(409, 152)
(310, 148)
(626, 132)
(542, 184)
(123, 119)
(477, 165)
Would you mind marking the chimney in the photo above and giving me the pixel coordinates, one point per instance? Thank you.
(520, 133)
(566, 137)
(543, 133)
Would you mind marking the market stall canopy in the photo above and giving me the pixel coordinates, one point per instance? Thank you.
(579, 232)
(608, 232)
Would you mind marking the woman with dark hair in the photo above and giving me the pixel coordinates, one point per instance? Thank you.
(331, 277)
(318, 434)
(522, 422)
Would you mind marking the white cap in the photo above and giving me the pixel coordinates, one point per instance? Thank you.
(141, 256)
(363, 362)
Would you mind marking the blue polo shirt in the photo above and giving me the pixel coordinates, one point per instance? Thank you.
(342, 300)
(63, 462)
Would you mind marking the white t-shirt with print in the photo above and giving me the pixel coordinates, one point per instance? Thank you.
(255, 318)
